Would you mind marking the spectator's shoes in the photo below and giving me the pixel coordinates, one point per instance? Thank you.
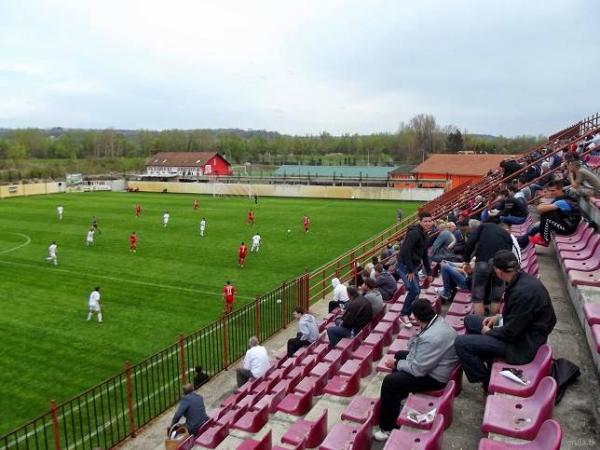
(381, 436)
(440, 293)
(405, 320)
(538, 240)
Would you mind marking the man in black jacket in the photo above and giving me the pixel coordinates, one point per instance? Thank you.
(515, 336)
(413, 254)
(357, 314)
(483, 243)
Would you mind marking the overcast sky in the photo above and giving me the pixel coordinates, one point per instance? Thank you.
(489, 66)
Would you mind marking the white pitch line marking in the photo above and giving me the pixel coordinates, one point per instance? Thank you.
(27, 242)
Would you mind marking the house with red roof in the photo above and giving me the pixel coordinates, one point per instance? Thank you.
(187, 164)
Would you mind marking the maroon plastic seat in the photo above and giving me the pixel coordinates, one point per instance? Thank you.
(279, 447)
(381, 367)
(592, 313)
(456, 322)
(376, 341)
(252, 444)
(532, 373)
(294, 376)
(399, 291)
(307, 432)
(320, 350)
(385, 328)
(398, 345)
(315, 382)
(232, 415)
(347, 437)
(308, 361)
(336, 357)
(580, 232)
(579, 278)
(211, 434)
(253, 420)
(249, 400)
(407, 333)
(362, 408)
(323, 368)
(589, 250)
(595, 330)
(296, 404)
(576, 245)
(392, 317)
(346, 345)
(587, 265)
(457, 376)
(362, 366)
(462, 297)
(520, 417)
(271, 400)
(344, 386)
(423, 403)
(460, 309)
(396, 307)
(412, 439)
(549, 437)
(233, 399)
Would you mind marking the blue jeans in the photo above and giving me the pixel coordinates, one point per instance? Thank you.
(412, 288)
(336, 334)
(452, 278)
(476, 352)
(513, 220)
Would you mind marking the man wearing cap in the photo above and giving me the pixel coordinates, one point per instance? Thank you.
(516, 334)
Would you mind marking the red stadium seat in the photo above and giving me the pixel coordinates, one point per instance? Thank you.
(412, 439)
(296, 404)
(347, 437)
(423, 403)
(362, 408)
(306, 432)
(549, 437)
(251, 444)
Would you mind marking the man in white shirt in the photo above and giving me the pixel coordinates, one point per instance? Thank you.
(202, 226)
(89, 238)
(166, 217)
(59, 212)
(52, 253)
(256, 362)
(255, 243)
(94, 305)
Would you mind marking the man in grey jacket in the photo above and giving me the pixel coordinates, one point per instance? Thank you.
(192, 408)
(426, 366)
(372, 294)
(308, 331)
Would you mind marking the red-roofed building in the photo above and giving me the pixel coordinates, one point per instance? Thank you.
(458, 169)
(187, 164)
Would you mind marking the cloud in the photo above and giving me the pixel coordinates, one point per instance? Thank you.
(499, 66)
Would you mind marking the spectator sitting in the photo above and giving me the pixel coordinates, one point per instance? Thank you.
(459, 235)
(477, 207)
(515, 209)
(523, 191)
(515, 336)
(192, 408)
(385, 282)
(200, 377)
(340, 294)
(358, 280)
(425, 366)
(584, 182)
(372, 294)
(561, 216)
(443, 244)
(357, 314)
(256, 362)
(308, 331)
(454, 276)
(387, 252)
(488, 239)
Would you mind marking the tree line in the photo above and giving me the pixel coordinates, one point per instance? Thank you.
(413, 141)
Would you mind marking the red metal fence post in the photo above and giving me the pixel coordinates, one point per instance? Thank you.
(182, 354)
(54, 411)
(257, 316)
(225, 341)
(129, 386)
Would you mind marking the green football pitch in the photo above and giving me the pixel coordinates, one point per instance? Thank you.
(172, 284)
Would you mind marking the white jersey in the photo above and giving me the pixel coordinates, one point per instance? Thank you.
(94, 302)
(90, 236)
(52, 250)
(166, 218)
(256, 240)
(59, 210)
(202, 224)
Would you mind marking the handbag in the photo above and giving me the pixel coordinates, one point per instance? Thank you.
(181, 434)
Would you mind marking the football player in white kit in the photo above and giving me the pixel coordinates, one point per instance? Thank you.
(166, 217)
(94, 305)
(202, 226)
(255, 243)
(59, 211)
(52, 253)
(89, 238)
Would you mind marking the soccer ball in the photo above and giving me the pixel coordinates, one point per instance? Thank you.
(289, 231)
(278, 300)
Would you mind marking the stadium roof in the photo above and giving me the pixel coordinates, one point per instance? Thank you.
(187, 159)
(338, 171)
(451, 164)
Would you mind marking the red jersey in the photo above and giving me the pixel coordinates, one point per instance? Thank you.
(243, 250)
(251, 217)
(133, 240)
(196, 204)
(306, 222)
(138, 210)
(228, 292)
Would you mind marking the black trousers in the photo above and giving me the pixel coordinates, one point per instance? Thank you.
(553, 221)
(395, 387)
(294, 344)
